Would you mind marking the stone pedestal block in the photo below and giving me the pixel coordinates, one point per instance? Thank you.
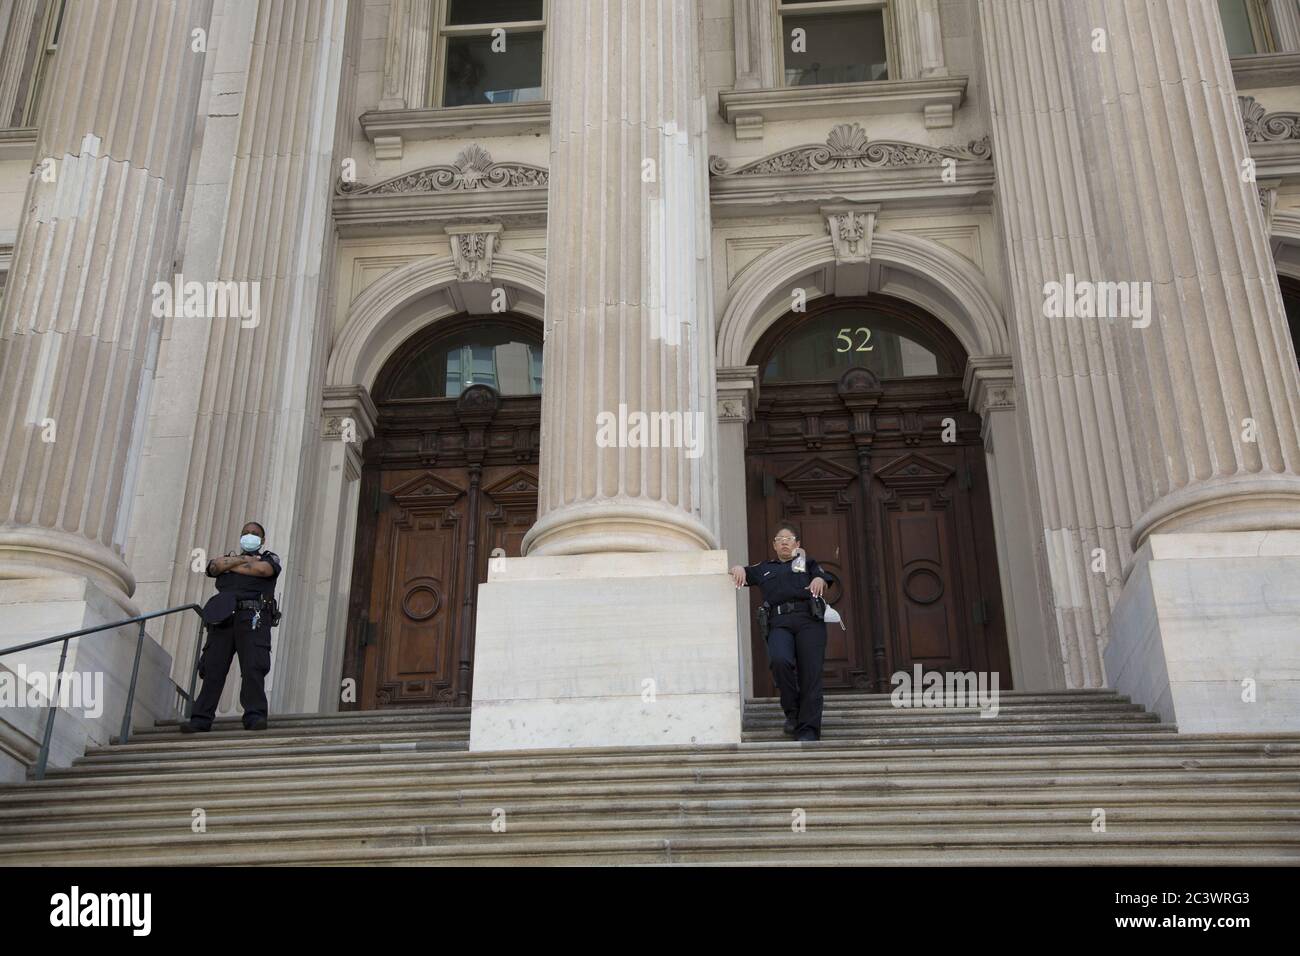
(1200, 616)
(36, 608)
(606, 650)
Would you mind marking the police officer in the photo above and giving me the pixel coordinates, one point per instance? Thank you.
(796, 643)
(248, 577)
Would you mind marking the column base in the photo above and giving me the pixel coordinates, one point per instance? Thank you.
(606, 650)
(1200, 615)
(35, 608)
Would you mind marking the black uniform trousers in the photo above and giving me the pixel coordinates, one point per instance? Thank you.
(796, 652)
(254, 649)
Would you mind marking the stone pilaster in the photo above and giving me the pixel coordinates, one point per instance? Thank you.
(920, 42)
(755, 44)
(407, 55)
(79, 336)
(1284, 16)
(628, 326)
(19, 22)
(1077, 424)
(1210, 385)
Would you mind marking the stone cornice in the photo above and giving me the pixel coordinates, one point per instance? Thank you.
(935, 97)
(1259, 70)
(18, 143)
(500, 119)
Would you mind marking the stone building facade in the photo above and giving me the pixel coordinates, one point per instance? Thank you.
(989, 296)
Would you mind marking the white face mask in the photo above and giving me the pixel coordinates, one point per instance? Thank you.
(250, 542)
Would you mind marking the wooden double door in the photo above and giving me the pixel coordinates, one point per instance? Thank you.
(446, 483)
(887, 485)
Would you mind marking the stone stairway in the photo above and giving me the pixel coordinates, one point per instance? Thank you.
(884, 786)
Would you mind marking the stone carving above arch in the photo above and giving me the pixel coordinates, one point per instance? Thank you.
(847, 147)
(919, 270)
(473, 169)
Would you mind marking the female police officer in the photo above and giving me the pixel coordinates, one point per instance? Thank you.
(797, 639)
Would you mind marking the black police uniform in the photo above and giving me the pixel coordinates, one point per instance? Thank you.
(247, 634)
(796, 639)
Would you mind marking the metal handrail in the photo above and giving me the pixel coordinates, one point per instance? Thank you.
(135, 672)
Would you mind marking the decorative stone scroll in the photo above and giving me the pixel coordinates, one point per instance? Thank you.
(847, 147)
(1264, 127)
(473, 169)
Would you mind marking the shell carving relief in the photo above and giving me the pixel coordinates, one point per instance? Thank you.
(473, 169)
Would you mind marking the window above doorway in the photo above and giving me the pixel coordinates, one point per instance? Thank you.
(456, 68)
(829, 343)
(499, 355)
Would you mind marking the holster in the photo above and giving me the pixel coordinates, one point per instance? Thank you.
(818, 608)
(764, 622)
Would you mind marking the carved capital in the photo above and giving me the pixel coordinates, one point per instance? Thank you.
(737, 392)
(348, 415)
(990, 384)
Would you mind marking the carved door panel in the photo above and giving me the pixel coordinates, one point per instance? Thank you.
(944, 608)
(417, 589)
(819, 495)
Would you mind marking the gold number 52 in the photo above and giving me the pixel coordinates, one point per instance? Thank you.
(845, 337)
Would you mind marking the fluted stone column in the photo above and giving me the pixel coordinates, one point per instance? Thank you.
(627, 315)
(618, 627)
(1078, 427)
(77, 334)
(1211, 386)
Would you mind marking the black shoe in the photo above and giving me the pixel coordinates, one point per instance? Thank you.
(808, 735)
(788, 729)
(259, 724)
(190, 727)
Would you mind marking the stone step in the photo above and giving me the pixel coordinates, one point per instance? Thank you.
(1220, 844)
(577, 786)
(1261, 826)
(128, 757)
(364, 803)
(417, 808)
(940, 729)
(955, 759)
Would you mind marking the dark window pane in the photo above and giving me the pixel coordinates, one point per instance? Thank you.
(476, 75)
(493, 11)
(1236, 27)
(1291, 301)
(825, 347)
(838, 48)
(495, 356)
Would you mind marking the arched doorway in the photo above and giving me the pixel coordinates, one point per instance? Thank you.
(449, 477)
(862, 438)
